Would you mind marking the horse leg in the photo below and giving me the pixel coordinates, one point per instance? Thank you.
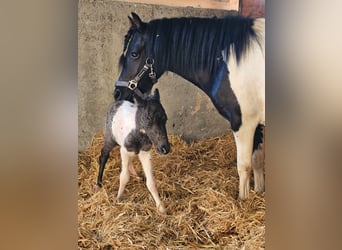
(244, 145)
(105, 151)
(145, 158)
(258, 170)
(124, 175)
(258, 160)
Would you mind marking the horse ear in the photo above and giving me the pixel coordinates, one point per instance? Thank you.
(156, 94)
(136, 22)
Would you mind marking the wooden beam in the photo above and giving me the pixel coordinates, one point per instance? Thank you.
(252, 8)
(207, 4)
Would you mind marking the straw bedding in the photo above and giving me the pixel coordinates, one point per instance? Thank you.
(198, 184)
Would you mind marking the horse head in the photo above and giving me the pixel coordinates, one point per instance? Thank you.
(137, 68)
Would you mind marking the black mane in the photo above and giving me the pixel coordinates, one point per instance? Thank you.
(178, 41)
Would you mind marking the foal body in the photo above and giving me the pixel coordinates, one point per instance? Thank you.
(135, 127)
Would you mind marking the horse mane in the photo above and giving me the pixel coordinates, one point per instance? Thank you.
(173, 41)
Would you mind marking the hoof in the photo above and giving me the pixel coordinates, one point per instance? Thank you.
(243, 197)
(259, 190)
(161, 209)
(97, 187)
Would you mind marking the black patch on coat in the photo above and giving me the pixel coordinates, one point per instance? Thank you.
(223, 97)
(258, 137)
(136, 141)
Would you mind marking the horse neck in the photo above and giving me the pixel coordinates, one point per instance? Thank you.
(200, 63)
(200, 77)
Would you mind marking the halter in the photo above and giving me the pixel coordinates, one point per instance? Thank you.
(133, 84)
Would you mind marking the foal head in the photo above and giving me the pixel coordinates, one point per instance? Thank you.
(151, 120)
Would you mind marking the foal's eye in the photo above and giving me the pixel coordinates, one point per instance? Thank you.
(134, 55)
(149, 120)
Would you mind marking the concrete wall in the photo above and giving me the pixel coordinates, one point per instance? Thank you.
(102, 26)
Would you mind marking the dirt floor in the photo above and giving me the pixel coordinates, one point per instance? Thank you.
(198, 184)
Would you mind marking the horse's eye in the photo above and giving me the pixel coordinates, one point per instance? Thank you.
(134, 54)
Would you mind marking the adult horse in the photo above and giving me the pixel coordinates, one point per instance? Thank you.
(224, 57)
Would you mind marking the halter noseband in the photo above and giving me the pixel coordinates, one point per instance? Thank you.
(133, 84)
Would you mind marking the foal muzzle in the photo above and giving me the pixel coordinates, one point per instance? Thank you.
(163, 150)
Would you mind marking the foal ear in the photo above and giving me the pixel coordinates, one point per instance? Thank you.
(136, 22)
(156, 95)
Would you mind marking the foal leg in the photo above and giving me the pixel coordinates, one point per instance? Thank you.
(109, 144)
(145, 158)
(244, 145)
(124, 175)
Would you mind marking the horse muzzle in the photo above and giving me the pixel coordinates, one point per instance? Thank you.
(117, 94)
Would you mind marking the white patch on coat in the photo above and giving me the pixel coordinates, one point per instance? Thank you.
(247, 81)
(124, 121)
(247, 78)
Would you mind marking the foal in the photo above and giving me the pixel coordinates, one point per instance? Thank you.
(135, 127)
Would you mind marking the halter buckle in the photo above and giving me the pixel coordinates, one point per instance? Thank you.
(132, 84)
(149, 62)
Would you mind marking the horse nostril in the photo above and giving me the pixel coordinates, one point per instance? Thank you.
(117, 94)
(164, 150)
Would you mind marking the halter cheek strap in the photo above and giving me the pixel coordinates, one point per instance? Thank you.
(133, 84)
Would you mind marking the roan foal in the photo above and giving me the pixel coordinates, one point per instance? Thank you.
(135, 127)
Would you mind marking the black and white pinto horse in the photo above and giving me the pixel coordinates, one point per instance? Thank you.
(224, 57)
(135, 127)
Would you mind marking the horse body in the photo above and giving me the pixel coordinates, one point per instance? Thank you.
(224, 58)
(135, 127)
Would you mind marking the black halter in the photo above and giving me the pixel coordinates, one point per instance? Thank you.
(133, 84)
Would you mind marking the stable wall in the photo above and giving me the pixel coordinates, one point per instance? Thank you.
(102, 26)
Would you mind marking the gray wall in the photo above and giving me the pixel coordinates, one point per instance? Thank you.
(102, 26)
